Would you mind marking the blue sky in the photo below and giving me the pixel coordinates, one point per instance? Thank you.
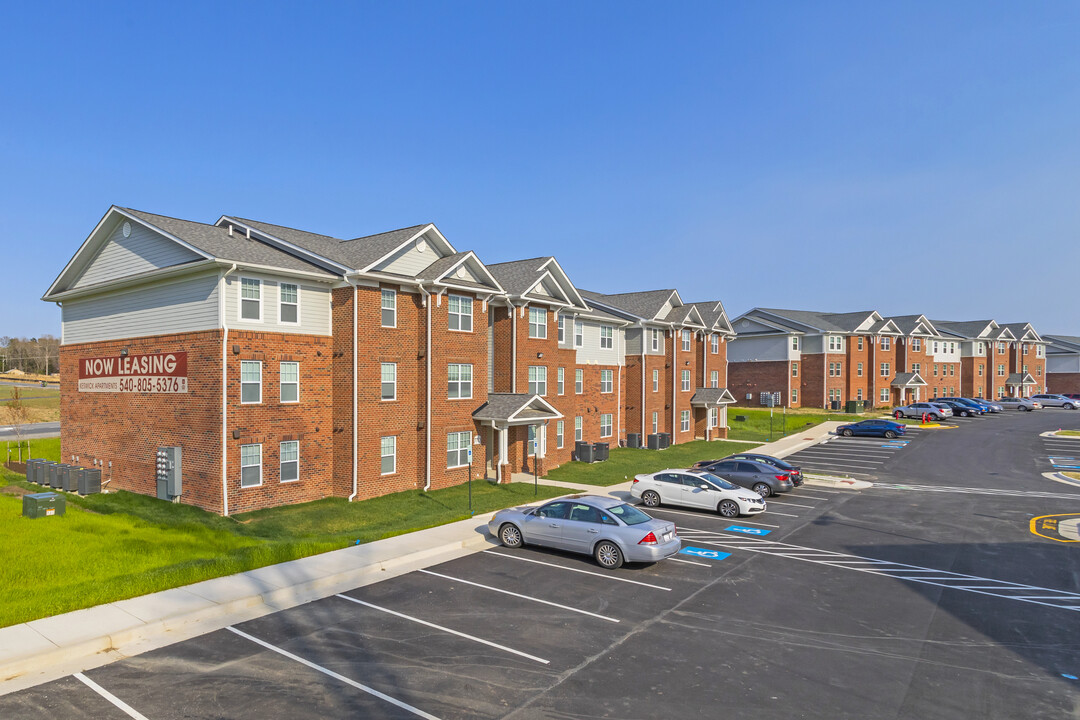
(916, 157)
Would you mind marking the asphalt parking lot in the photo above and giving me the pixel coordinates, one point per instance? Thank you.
(925, 596)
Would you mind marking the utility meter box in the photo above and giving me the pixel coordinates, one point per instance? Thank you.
(169, 472)
(39, 505)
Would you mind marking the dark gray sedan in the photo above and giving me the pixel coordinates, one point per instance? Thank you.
(764, 479)
(604, 527)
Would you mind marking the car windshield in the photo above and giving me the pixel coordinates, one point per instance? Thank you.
(718, 481)
(629, 514)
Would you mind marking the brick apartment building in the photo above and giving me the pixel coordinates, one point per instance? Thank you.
(998, 360)
(291, 366)
(1062, 363)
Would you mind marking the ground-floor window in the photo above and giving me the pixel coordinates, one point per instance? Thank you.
(655, 422)
(457, 449)
(532, 441)
(858, 394)
(794, 395)
(250, 465)
(290, 461)
(388, 453)
(714, 417)
(834, 394)
(577, 428)
(558, 433)
(685, 421)
(885, 395)
(605, 425)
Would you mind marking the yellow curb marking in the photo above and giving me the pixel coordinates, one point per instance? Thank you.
(1067, 531)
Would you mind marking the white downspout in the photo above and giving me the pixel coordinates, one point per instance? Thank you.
(427, 420)
(355, 389)
(674, 384)
(644, 369)
(513, 347)
(618, 400)
(224, 393)
(705, 342)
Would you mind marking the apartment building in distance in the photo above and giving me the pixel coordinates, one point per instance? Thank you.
(1062, 363)
(998, 360)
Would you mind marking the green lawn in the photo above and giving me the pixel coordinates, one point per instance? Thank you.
(1075, 433)
(120, 545)
(47, 448)
(624, 463)
(757, 427)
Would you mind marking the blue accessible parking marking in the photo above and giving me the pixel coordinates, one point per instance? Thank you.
(703, 553)
(747, 530)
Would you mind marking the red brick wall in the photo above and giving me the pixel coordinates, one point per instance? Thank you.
(853, 356)
(126, 429)
(1063, 382)
(685, 361)
(758, 377)
(812, 371)
(877, 381)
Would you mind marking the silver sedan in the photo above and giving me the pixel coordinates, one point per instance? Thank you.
(604, 527)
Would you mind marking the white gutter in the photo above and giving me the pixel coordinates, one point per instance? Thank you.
(674, 383)
(355, 360)
(643, 371)
(224, 393)
(513, 347)
(427, 421)
(704, 378)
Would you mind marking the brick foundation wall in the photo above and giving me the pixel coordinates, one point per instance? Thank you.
(1063, 382)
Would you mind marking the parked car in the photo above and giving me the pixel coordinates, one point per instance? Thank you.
(795, 471)
(932, 410)
(764, 479)
(959, 409)
(872, 428)
(696, 489)
(1060, 401)
(994, 406)
(1072, 396)
(607, 528)
(981, 407)
(1019, 403)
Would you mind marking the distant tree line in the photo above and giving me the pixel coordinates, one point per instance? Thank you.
(40, 355)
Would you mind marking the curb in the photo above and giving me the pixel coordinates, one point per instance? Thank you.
(832, 481)
(1054, 434)
(1062, 478)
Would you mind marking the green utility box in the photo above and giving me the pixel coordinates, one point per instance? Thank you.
(856, 406)
(39, 505)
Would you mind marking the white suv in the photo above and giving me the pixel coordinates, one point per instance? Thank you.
(1056, 401)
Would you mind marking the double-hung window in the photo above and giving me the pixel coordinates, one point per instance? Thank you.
(460, 313)
(457, 449)
(714, 379)
(794, 369)
(579, 334)
(290, 382)
(458, 381)
(389, 381)
(577, 428)
(562, 329)
(579, 381)
(606, 381)
(537, 380)
(884, 369)
(794, 342)
(388, 455)
(860, 344)
(251, 299)
(686, 340)
(607, 337)
(538, 323)
(605, 425)
(916, 368)
(884, 396)
(656, 381)
(558, 434)
(655, 340)
(714, 417)
(916, 344)
(684, 424)
(858, 369)
(290, 461)
(560, 376)
(952, 370)
(685, 380)
(886, 343)
(836, 343)
(250, 382)
(289, 303)
(981, 368)
(389, 308)
(714, 342)
(655, 422)
(250, 465)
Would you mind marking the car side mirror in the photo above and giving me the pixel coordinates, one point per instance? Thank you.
(704, 487)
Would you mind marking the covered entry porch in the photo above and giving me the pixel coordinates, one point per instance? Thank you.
(515, 427)
(907, 388)
(709, 407)
(1019, 384)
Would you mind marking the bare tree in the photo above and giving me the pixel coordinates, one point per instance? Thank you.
(17, 413)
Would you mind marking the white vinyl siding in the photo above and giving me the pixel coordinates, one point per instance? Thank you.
(289, 455)
(388, 455)
(250, 466)
(458, 381)
(538, 323)
(144, 251)
(388, 308)
(461, 313)
(289, 380)
(250, 382)
(181, 306)
(457, 449)
(313, 306)
(288, 304)
(388, 381)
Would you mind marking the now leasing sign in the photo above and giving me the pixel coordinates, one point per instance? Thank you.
(158, 373)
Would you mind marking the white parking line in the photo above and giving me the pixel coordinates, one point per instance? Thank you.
(331, 673)
(444, 629)
(697, 515)
(586, 572)
(812, 497)
(771, 512)
(844, 457)
(786, 503)
(688, 562)
(840, 461)
(518, 595)
(127, 709)
(825, 490)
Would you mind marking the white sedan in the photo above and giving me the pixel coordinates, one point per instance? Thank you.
(696, 489)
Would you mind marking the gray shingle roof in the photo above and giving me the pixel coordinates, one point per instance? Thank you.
(711, 396)
(906, 323)
(965, 329)
(215, 241)
(907, 379)
(517, 276)
(644, 305)
(502, 406)
(440, 266)
(1066, 339)
(826, 322)
(1019, 379)
(681, 314)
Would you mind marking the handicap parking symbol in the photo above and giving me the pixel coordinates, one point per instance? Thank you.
(747, 530)
(703, 553)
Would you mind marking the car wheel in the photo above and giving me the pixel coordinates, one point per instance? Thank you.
(763, 489)
(728, 508)
(965, 413)
(650, 498)
(890, 434)
(608, 555)
(510, 536)
(1067, 406)
(847, 433)
(1024, 409)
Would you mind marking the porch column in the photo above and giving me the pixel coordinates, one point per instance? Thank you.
(503, 451)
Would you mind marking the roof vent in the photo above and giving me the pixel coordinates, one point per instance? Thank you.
(462, 272)
(420, 244)
(127, 229)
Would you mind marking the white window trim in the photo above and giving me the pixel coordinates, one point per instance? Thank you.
(684, 421)
(579, 381)
(579, 334)
(561, 324)
(687, 339)
(242, 466)
(394, 293)
(472, 323)
(655, 339)
(886, 369)
(655, 380)
(559, 430)
(459, 381)
(393, 470)
(655, 422)
(610, 339)
(282, 303)
(610, 427)
(578, 428)
(281, 462)
(538, 368)
(560, 381)
(240, 299)
(282, 384)
(242, 382)
(468, 446)
(610, 382)
(714, 344)
(390, 399)
(685, 381)
(714, 378)
(541, 325)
